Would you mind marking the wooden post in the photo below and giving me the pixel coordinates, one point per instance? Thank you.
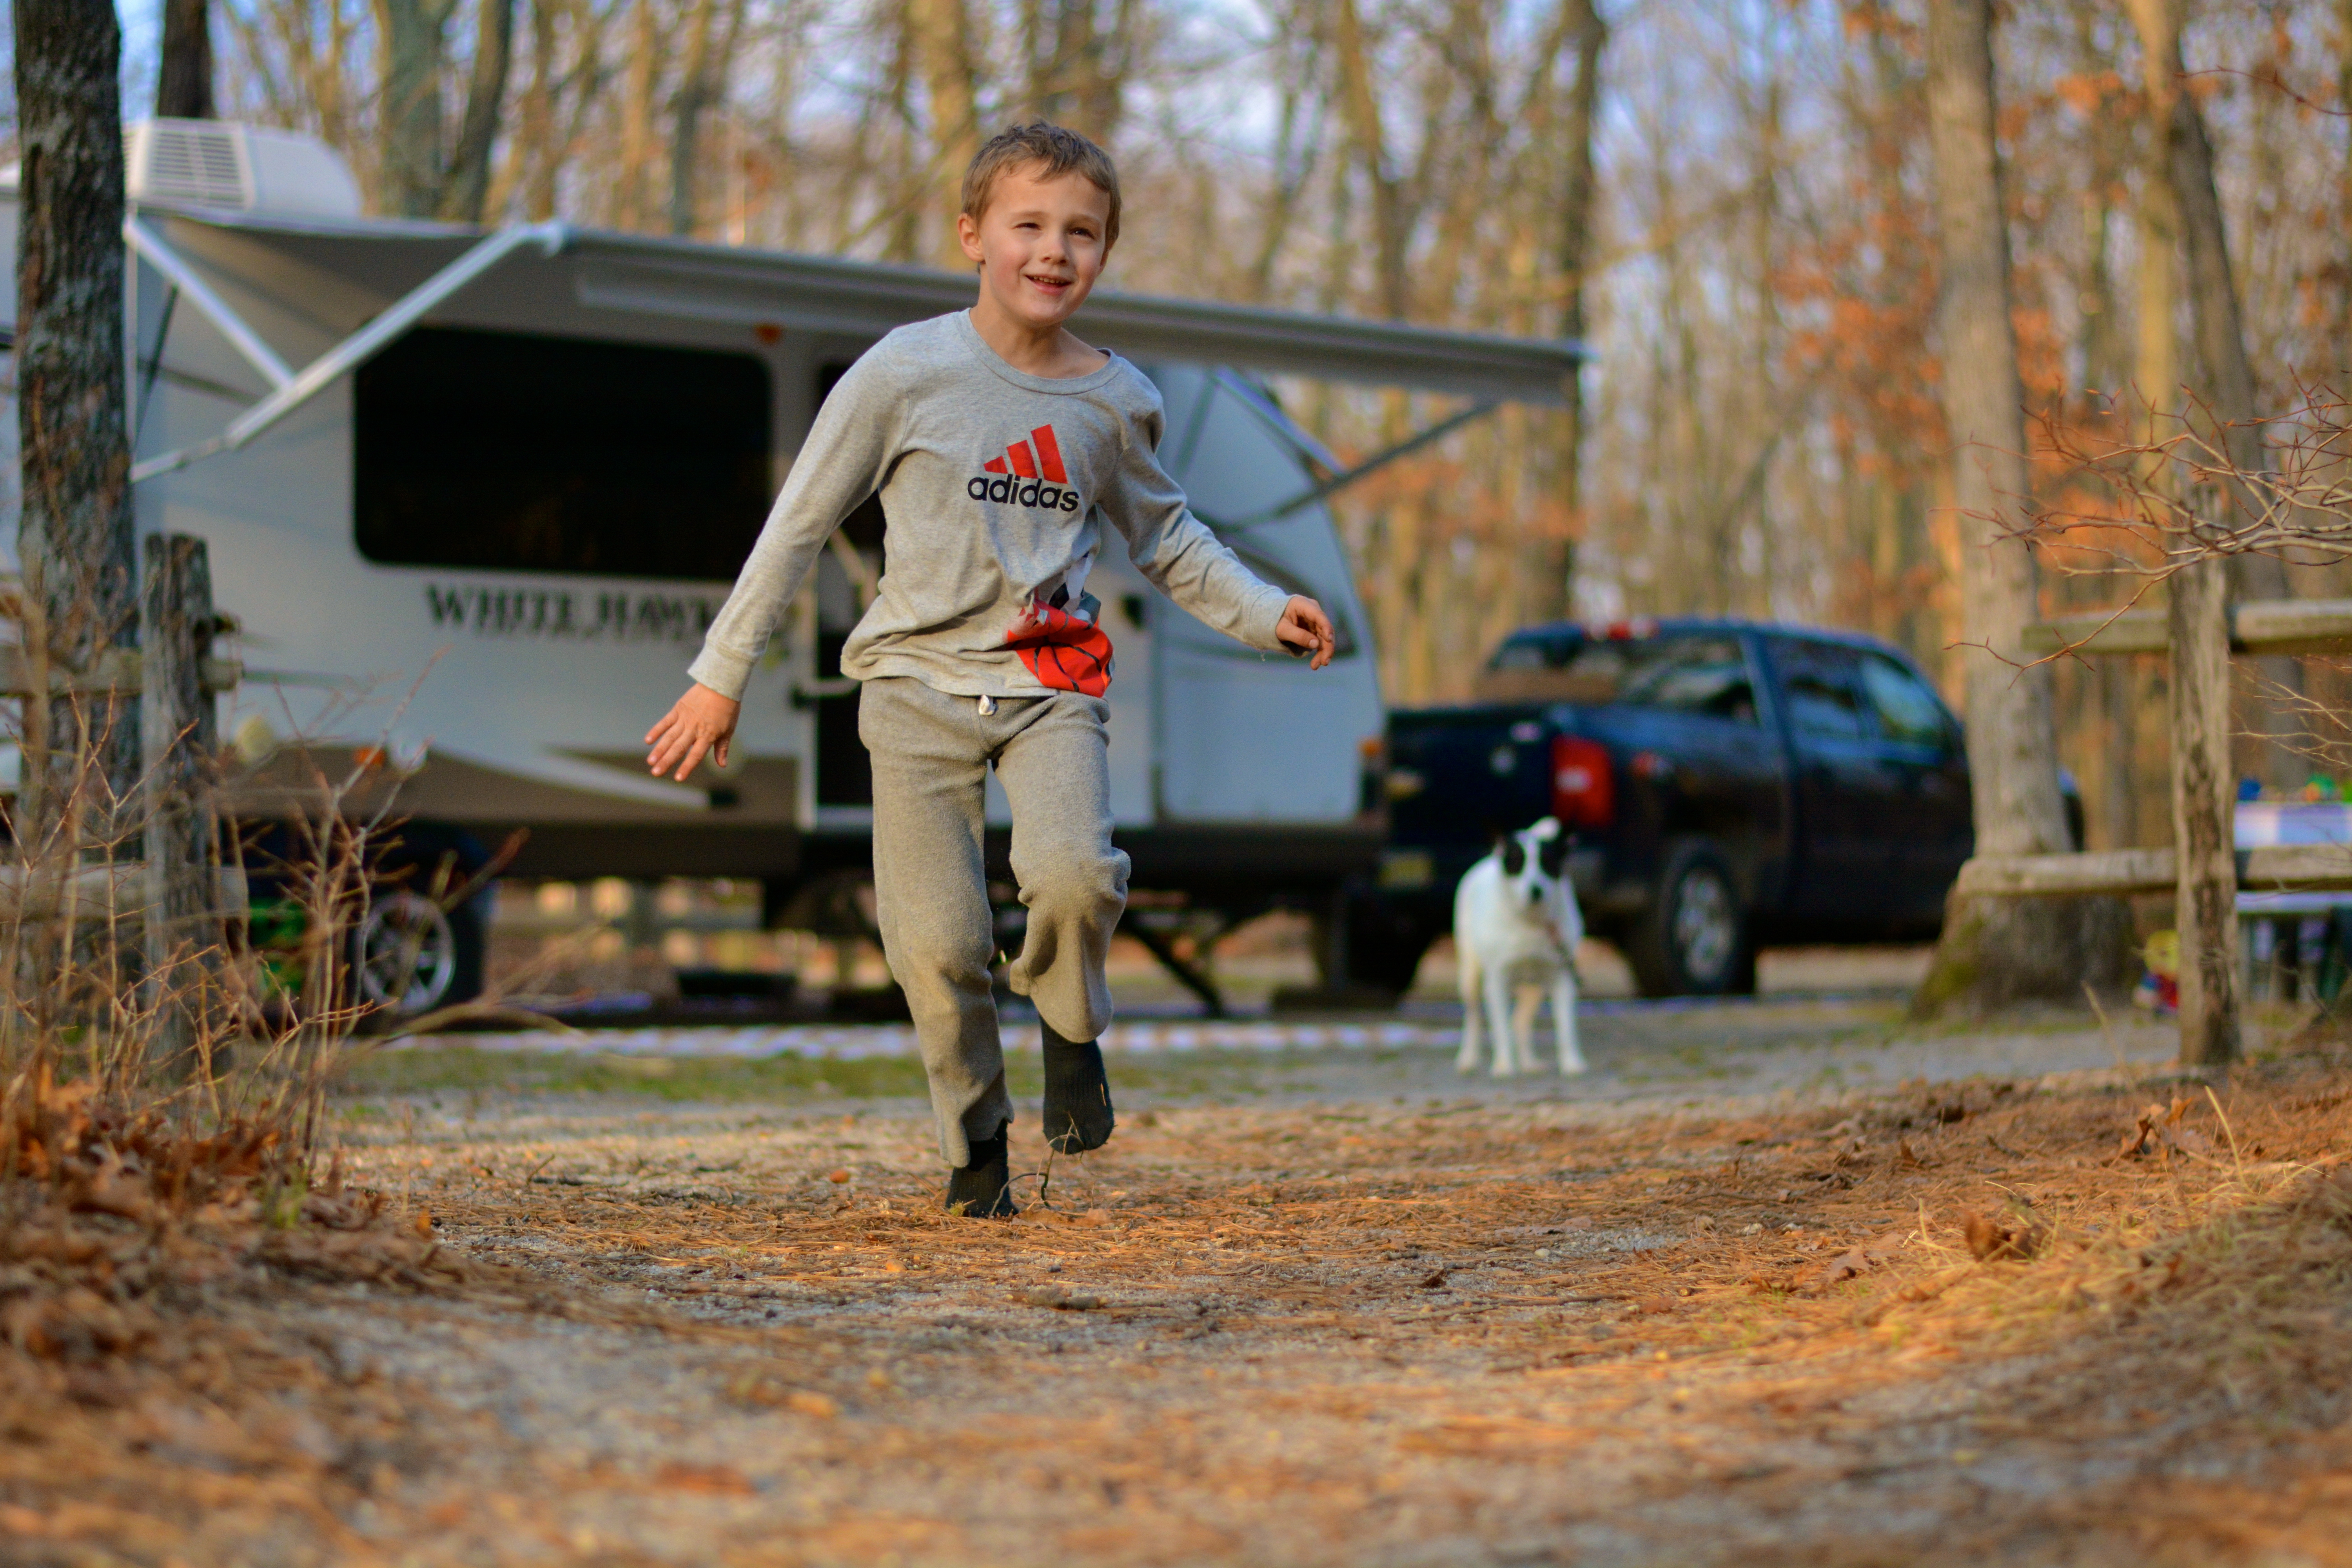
(179, 736)
(2204, 796)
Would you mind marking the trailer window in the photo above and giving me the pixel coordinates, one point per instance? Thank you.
(500, 452)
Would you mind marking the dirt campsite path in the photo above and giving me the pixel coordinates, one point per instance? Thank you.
(1717, 1303)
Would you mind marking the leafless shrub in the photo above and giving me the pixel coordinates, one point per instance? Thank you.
(2144, 492)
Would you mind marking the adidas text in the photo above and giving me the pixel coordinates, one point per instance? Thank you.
(1010, 490)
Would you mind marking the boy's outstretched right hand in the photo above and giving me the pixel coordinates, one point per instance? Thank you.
(700, 721)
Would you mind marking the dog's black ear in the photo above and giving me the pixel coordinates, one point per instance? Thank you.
(1515, 856)
(1552, 856)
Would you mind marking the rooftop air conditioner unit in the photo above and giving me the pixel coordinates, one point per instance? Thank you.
(243, 168)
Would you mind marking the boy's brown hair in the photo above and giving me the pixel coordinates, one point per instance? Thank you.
(1052, 151)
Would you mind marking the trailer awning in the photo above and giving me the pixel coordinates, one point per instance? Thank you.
(422, 266)
(709, 282)
(691, 279)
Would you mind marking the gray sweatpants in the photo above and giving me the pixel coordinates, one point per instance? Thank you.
(931, 753)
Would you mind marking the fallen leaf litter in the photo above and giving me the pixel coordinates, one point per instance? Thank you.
(657, 1340)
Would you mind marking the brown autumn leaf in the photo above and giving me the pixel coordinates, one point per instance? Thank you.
(766, 1389)
(2161, 1126)
(1994, 1241)
(76, 1325)
(1847, 1265)
(353, 1210)
(1056, 1296)
(2329, 1193)
(110, 1189)
(723, 1480)
(1862, 1257)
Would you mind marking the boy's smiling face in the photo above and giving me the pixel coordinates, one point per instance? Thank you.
(1041, 243)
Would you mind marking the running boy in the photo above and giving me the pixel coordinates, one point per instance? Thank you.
(1000, 443)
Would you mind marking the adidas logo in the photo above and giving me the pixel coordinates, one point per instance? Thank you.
(1029, 474)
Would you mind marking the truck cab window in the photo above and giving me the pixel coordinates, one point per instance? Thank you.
(1554, 666)
(1702, 675)
(1824, 696)
(1907, 709)
(1692, 675)
(504, 452)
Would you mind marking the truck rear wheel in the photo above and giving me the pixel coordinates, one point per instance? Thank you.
(1694, 940)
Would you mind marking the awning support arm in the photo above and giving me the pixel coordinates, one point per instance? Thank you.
(1340, 482)
(152, 249)
(355, 349)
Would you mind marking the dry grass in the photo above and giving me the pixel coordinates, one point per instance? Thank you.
(1360, 1334)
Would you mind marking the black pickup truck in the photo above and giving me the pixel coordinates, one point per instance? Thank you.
(1728, 785)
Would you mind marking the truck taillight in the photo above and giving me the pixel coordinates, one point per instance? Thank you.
(1583, 788)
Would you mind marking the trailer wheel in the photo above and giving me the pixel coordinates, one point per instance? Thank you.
(409, 955)
(1694, 940)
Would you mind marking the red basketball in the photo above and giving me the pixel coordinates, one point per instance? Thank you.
(1062, 651)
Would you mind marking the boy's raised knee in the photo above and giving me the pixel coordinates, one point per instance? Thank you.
(1077, 886)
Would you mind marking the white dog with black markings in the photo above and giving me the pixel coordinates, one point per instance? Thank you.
(1515, 931)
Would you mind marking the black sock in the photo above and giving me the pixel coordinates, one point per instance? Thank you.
(1078, 1094)
(982, 1188)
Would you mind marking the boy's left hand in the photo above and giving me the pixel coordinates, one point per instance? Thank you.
(1306, 629)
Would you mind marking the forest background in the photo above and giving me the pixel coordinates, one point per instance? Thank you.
(1730, 201)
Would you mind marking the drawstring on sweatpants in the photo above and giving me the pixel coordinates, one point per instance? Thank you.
(987, 706)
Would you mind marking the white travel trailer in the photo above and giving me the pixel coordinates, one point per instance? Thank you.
(518, 470)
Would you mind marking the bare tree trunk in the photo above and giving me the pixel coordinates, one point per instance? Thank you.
(1292, 164)
(2227, 373)
(637, 117)
(585, 83)
(2184, 155)
(1994, 950)
(904, 198)
(1552, 587)
(692, 90)
(413, 41)
(1391, 229)
(941, 31)
(1108, 56)
(468, 182)
(332, 93)
(535, 147)
(183, 86)
(705, 85)
(75, 534)
(1077, 68)
(2343, 341)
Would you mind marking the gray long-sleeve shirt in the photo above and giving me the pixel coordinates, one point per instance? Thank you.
(993, 485)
